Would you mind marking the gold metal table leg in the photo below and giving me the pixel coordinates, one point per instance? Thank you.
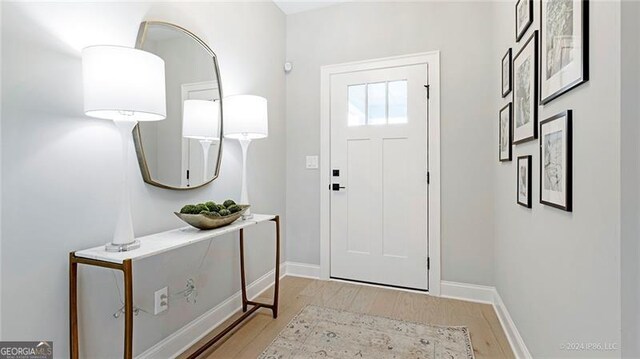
(127, 269)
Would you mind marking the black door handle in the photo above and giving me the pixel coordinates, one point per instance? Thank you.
(336, 187)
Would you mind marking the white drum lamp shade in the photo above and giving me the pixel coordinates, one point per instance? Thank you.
(245, 117)
(201, 120)
(124, 85)
(121, 82)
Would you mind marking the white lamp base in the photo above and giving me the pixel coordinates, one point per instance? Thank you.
(244, 195)
(123, 237)
(122, 247)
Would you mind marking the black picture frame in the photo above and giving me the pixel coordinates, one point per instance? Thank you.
(507, 57)
(584, 16)
(533, 41)
(509, 131)
(528, 178)
(523, 31)
(568, 144)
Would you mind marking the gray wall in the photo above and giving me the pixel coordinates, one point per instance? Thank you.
(559, 273)
(630, 167)
(60, 170)
(360, 31)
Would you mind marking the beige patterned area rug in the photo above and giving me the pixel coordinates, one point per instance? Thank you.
(318, 332)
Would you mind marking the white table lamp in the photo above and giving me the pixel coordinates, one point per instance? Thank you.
(124, 85)
(201, 121)
(245, 120)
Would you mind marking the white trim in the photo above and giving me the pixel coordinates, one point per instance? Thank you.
(515, 339)
(303, 270)
(489, 295)
(468, 292)
(190, 334)
(433, 61)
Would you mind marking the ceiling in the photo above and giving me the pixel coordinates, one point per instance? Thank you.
(293, 6)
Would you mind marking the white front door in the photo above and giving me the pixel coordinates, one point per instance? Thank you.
(379, 176)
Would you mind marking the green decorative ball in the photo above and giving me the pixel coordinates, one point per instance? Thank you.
(201, 207)
(228, 203)
(213, 207)
(188, 209)
(235, 208)
(224, 212)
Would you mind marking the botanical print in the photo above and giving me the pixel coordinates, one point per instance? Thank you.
(553, 161)
(505, 75)
(560, 35)
(523, 181)
(504, 131)
(523, 13)
(523, 93)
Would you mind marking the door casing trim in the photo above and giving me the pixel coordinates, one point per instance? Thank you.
(431, 58)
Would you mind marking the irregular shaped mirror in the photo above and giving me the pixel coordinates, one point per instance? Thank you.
(183, 151)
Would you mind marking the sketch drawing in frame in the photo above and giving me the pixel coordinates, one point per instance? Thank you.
(564, 40)
(524, 17)
(504, 133)
(556, 161)
(524, 180)
(525, 91)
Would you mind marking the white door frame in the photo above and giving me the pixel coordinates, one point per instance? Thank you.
(433, 60)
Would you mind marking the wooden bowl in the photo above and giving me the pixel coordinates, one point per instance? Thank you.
(203, 221)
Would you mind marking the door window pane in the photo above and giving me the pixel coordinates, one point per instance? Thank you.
(377, 103)
(397, 102)
(357, 105)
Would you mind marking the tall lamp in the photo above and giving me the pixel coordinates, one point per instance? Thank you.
(124, 85)
(201, 121)
(245, 120)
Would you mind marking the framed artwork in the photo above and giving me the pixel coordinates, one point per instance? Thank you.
(555, 161)
(525, 91)
(564, 35)
(506, 74)
(504, 135)
(524, 181)
(524, 17)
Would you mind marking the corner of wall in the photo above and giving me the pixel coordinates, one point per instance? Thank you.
(630, 176)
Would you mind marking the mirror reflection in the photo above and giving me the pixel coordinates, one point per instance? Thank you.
(184, 151)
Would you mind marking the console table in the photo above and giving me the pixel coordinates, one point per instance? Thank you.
(156, 244)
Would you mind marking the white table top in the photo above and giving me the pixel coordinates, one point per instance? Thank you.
(154, 244)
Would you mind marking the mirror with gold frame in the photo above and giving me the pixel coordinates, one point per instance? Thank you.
(185, 150)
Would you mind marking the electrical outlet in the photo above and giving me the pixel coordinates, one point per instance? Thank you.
(161, 300)
(312, 162)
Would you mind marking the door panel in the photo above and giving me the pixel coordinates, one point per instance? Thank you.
(378, 142)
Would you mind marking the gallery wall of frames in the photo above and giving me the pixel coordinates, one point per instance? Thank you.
(543, 65)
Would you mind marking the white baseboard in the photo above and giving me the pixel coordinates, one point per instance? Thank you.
(469, 292)
(187, 336)
(517, 343)
(304, 270)
(489, 295)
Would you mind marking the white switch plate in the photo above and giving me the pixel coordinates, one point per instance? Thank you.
(312, 162)
(161, 300)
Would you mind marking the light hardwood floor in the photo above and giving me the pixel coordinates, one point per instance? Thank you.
(256, 334)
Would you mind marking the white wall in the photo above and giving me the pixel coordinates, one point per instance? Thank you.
(60, 170)
(1, 337)
(630, 166)
(559, 273)
(360, 31)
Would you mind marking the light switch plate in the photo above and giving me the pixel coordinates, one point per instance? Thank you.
(312, 162)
